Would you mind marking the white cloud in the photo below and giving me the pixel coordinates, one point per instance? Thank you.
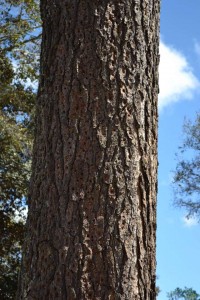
(189, 222)
(28, 82)
(177, 80)
(22, 215)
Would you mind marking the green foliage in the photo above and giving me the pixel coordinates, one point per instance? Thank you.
(16, 129)
(15, 145)
(6, 71)
(183, 294)
(19, 61)
(187, 173)
(157, 291)
(20, 32)
(11, 233)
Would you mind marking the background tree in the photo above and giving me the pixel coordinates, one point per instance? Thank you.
(16, 106)
(92, 207)
(20, 33)
(187, 173)
(183, 294)
(19, 53)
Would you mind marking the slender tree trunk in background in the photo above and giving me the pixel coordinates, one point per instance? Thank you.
(92, 211)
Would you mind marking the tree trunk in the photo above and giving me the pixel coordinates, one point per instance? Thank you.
(92, 209)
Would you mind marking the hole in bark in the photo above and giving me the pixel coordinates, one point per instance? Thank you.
(56, 294)
(110, 94)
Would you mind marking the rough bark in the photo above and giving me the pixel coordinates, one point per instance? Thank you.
(92, 209)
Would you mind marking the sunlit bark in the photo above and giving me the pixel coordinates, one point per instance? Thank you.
(92, 208)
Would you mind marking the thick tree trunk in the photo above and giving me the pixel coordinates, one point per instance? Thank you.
(92, 212)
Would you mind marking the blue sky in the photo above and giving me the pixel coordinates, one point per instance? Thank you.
(178, 239)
